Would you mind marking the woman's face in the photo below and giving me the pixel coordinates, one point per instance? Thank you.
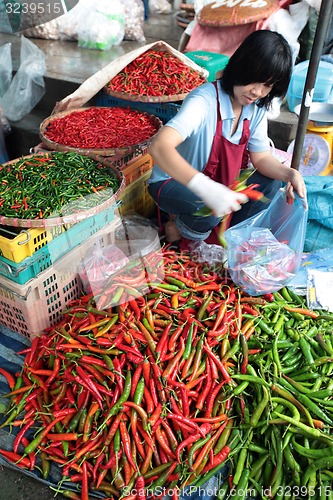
(247, 94)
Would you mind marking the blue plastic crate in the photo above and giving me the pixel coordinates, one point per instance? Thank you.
(163, 110)
(42, 259)
(322, 88)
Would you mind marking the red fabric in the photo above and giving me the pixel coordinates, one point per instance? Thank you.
(226, 39)
(184, 245)
(223, 40)
(226, 159)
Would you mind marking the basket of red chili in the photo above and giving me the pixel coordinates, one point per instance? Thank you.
(105, 131)
(57, 188)
(156, 76)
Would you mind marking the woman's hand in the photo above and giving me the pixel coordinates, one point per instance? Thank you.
(219, 198)
(295, 183)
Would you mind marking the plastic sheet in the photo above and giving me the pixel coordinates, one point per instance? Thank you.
(5, 67)
(319, 231)
(27, 86)
(264, 252)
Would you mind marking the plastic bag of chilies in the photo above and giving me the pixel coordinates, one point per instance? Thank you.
(264, 252)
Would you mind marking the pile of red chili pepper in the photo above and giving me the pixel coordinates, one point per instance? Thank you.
(102, 128)
(163, 390)
(156, 73)
(39, 186)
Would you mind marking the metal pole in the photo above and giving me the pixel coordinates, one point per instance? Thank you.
(324, 18)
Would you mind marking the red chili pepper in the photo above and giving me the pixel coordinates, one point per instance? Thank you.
(204, 393)
(17, 459)
(101, 128)
(10, 379)
(125, 438)
(21, 434)
(218, 459)
(164, 444)
(205, 429)
(149, 81)
(219, 364)
(140, 488)
(174, 361)
(84, 484)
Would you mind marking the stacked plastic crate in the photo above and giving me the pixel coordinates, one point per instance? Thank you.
(39, 271)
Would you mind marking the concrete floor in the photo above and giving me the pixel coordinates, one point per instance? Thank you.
(17, 486)
(67, 67)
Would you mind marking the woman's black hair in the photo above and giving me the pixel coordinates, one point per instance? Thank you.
(263, 57)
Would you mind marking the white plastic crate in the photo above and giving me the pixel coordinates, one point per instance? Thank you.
(30, 308)
(323, 84)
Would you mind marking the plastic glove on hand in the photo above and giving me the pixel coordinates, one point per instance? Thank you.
(216, 196)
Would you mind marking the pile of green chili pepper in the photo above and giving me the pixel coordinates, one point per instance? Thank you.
(40, 186)
(165, 389)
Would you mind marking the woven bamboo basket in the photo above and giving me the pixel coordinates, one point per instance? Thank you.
(124, 150)
(77, 216)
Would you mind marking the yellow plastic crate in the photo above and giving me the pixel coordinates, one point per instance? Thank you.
(136, 199)
(27, 242)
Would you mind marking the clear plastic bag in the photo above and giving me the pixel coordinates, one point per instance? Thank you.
(27, 86)
(124, 270)
(135, 17)
(160, 6)
(99, 264)
(264, 252)
(103, 25)
(6, 70)
(205, 252)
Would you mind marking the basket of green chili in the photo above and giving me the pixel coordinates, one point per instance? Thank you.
(105, 131)
(56, 188)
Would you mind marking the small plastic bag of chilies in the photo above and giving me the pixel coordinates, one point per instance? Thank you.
(99, 264)
(264, 252)
(125, 269)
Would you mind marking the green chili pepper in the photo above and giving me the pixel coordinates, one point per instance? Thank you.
(322, 463)
(124, 397)
(188, 345)
(260, 408)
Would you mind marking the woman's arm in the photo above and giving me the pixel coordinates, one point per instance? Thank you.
(267, 165)
(163, 150)
(216, 196)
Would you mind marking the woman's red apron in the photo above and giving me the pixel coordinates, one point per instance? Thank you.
(226, 159)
